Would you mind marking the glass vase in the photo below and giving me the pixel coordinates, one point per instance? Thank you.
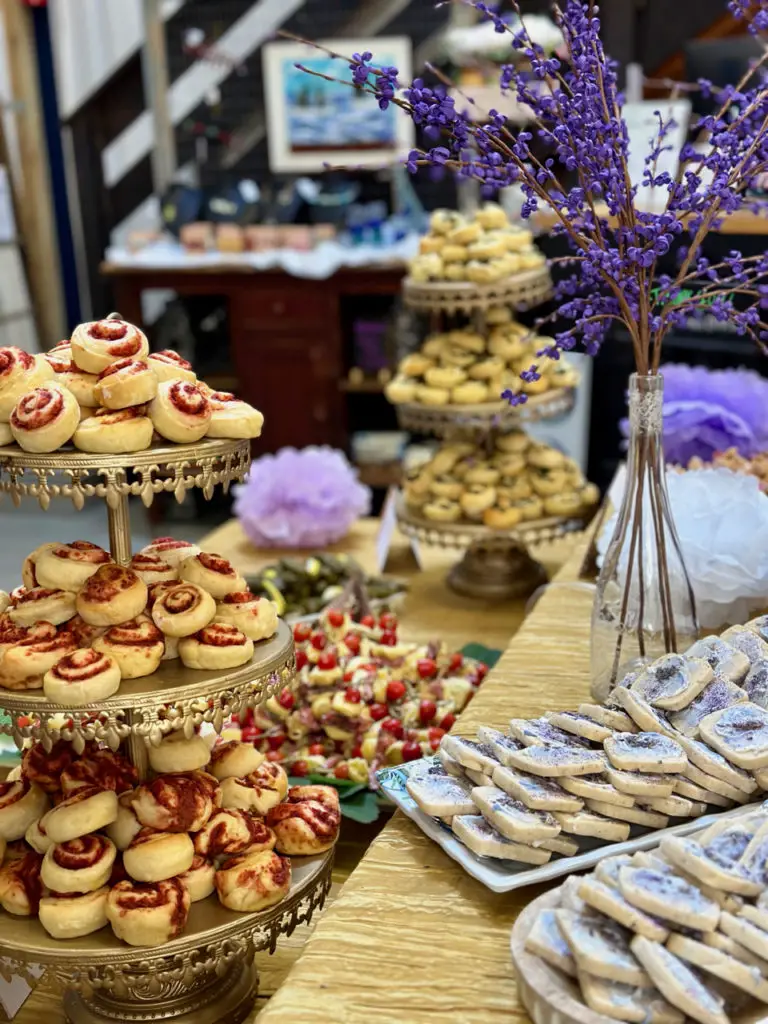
(644, 605)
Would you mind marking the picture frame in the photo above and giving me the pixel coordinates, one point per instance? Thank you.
(313, 123)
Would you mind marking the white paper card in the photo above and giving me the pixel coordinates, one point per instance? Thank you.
(387, 532)
(14, 993)
(642, 128)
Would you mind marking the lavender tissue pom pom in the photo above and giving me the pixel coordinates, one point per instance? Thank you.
(300, 499)
(708, 411)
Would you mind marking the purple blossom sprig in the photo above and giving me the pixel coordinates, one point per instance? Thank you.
(576, 111)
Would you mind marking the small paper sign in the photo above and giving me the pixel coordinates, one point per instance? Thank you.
(387, 532)
(14, 989)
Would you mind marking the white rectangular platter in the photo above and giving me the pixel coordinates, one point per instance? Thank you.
(507, 875)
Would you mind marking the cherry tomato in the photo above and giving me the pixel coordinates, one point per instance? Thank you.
(301, 632)
(426, 667)
(286, 699)
(396, 690)
(318, 641)
(446, 722)
(368, 620)
(250, 734)
(393, 726)
(335, 618)
(427, 711)
(317, 749)
(379, 711)
(299, 768)
(275, 755)
(481, 670)
(435, 733)
(357, 750)
(457, 660)
(434, 744)
(352, 642)
(341, 771)
(387, 621)
(275, 742)
(326, 660)
(388, 638)
(301, 660)
(352, 695)
(347, 677)
(411, 751)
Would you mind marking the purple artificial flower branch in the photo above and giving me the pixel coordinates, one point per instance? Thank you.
(576, 110)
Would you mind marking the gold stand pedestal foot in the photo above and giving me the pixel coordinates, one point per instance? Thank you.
(496, 571)
(211, 1000)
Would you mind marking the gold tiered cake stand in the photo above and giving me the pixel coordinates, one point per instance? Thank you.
(496, 563)
(207, 975)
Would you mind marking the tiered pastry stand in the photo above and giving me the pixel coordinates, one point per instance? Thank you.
(207, 975)
(497, 563)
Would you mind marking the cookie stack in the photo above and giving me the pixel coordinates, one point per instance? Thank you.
(82, 845)
(362, 699)
(510, 480)
(686, 733)
(469, 367)
(679, 932)
(80, 623)
(104, 392)
(731, 459)
(482, 249)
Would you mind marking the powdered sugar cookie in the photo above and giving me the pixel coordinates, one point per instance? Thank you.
(600, 947)
(619, 721)
(720, 964)
(579, 725)
(470, 753)
(684, 787)
(720, 873)
(640, 784)
(593, 824)
(669, 897)
(713, 763)
(627, 1002)
(479, 836)
(556, 762)
(642, 713)
(546, 941)
(723, 658)
(501, 744)
(561, 844)
(512, 818)
(747, 934)
(712, 784)
(645, 752)
(597, 787)
(637, 815)
(672, 681)
(539, 732)
(721, 693)
(440, 794)
(678, 983)
(675, 806)
(756, 683)
(739, 733)
(746, 641)
(611, 902)
(535, 792)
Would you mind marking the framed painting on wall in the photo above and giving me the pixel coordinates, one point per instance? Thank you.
(313, 122)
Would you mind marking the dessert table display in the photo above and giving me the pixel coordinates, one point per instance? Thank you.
(144, 862)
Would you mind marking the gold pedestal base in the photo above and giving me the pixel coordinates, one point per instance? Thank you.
(225, 999)
(496, 571)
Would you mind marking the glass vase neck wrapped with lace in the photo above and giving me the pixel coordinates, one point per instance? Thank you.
(644, 605)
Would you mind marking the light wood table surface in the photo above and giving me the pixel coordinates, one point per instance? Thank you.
(390, 898)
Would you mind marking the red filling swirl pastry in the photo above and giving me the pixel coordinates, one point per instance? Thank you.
(102, 768)
(21, 886)
(69, 566)
(115, 431)
(112, 595)
(19, 373)
(137, 647)
(254, 616)
(230, 832)
(45, 418)
(153, 569)
(304, 828)
(218, 646)
(28, 660)
(43, 604)
(176, 803)
(81, 632)
(84, 676)
(21, 804)
(60, 358)
(183, 609)
(169, 365)
(97, 344)
(79, 865)
(198, 879)
(232, 417)
(148, 914)
(180, 411)
(213, 573)
(253, 881)
(46, 767)
(128, 382)
(171, 550)
(259, 791)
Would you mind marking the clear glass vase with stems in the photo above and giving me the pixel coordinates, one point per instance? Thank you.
(644, 605)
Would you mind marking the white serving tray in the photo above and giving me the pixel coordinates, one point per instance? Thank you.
(506, 875)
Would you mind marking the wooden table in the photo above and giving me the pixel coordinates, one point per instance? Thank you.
(430, 610)
(412, 937)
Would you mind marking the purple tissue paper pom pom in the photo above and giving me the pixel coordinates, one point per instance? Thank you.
(300, 499)
(708, 411)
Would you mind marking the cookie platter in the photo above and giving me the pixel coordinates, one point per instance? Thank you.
(673, 934)
(523, 290)
(199, 966)
(444, 420)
